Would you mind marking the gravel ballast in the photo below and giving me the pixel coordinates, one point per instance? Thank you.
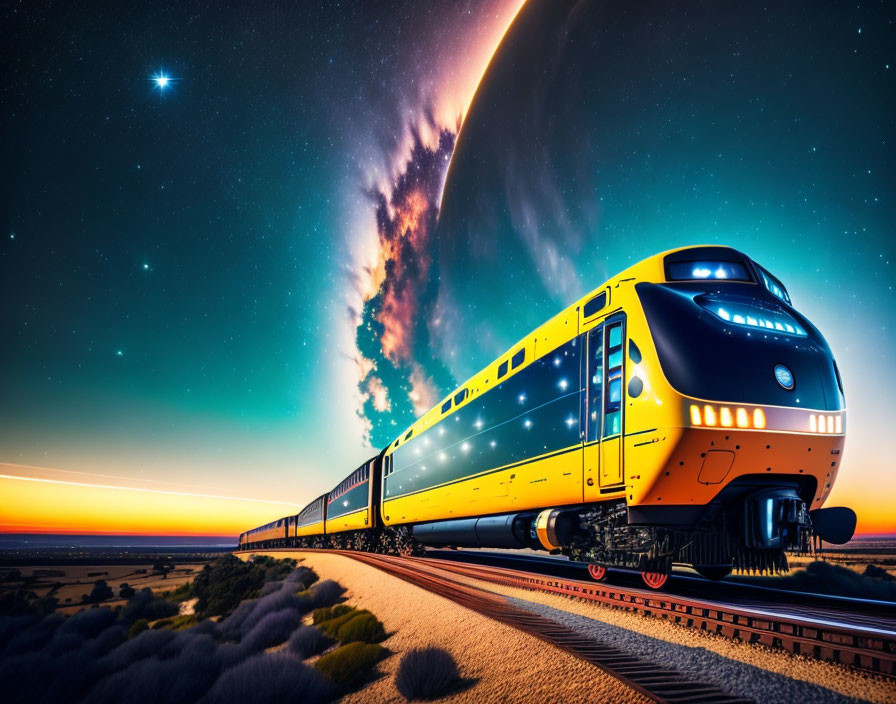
(499, 663)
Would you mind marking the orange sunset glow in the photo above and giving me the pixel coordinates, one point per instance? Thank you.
(36, 503)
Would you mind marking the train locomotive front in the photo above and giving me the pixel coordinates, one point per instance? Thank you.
(735, 429)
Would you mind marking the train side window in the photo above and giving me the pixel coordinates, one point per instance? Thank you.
(502, 369)
(595, 304)
(408, 436)
(446, 406)
(634, 352)
(459, 397)
(518, 358)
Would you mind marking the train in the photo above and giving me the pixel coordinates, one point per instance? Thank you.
(682, 413)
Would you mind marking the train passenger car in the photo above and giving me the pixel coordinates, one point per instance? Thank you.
(682, 412)
(309, 524)
(351, 507)
(270, 535)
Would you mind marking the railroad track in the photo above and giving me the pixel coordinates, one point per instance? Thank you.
(862, 646)
(865, 645)
(658, 683)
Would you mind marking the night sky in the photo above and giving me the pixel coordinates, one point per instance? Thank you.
(244, 281)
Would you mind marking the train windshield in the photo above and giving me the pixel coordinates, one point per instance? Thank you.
(723, 343)
(698, 270)
(707, 264)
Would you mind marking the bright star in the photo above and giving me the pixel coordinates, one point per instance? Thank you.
(162, 80)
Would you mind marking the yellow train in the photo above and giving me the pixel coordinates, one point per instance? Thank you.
(682, 412)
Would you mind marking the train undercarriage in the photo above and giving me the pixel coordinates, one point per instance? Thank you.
(750, 528)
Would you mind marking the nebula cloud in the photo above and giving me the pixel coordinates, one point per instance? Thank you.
(400, 376)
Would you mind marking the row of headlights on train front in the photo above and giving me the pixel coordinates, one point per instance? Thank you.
(725, 417)
(821, 423)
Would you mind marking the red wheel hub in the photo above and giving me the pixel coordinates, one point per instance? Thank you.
(597, 572)
(654, 580)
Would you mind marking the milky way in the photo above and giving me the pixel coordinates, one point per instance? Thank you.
(400, 375)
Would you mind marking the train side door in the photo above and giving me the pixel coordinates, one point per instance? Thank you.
(592, 411)
(611, 430)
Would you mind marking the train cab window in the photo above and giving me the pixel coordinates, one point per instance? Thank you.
(459, 397)
(446, 406)
(774, 286)
(698, 270)
(595, 304)
(502, 369)
(518, 358)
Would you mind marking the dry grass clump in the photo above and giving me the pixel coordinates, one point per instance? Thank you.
(427, 673)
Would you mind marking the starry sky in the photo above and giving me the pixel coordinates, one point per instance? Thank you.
(230, 289)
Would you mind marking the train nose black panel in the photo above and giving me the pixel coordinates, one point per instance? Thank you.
(834, 525)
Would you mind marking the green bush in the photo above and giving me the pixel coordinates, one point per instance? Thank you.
(331, 626)
(350, 664)
(162, 623)
(138, 627)
(325, 613)
(364, 627)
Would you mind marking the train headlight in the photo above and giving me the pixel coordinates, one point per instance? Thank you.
(725, 418)
(696, 419)
(759, 418)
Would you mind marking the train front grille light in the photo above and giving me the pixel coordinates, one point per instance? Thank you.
(710, 416)
(761, 320)
(825, 423)
(727, 417)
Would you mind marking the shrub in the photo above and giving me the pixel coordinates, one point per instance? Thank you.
(162, 623)
(145, 604)
(138, 627)
(364, 627)
(325, 613)
(269, 678)
(182, 622)
(126, 591)
(308, 640)
(350, 664)
(426, 673)
(326, 593)
(332, 626)
(101, 591)
(272, 629)
(303, 576)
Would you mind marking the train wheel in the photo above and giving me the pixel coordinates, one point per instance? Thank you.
(713, 572)
(654, 580)
(597, 572)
